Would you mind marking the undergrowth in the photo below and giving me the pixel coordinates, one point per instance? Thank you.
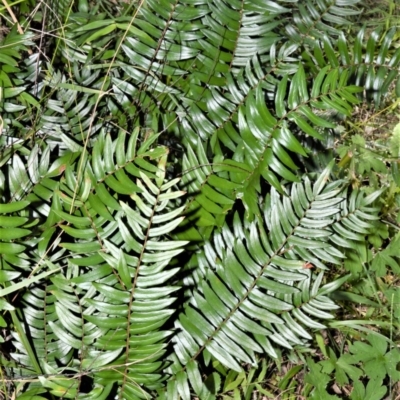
(199, 199)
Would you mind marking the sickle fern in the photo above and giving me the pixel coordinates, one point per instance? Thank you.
(105, 313)
(156, 215)
(256, 289)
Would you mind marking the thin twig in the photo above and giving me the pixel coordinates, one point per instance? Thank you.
(14, 18)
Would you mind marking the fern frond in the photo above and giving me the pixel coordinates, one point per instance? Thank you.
(257, 288)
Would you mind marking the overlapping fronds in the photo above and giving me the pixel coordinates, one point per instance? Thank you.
(176, 121)
(107, 305)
